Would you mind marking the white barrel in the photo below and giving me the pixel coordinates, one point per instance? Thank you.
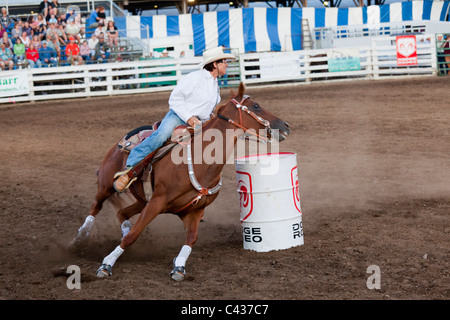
(268, 187)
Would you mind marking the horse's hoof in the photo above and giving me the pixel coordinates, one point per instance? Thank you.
(178, 273)
(104, 271)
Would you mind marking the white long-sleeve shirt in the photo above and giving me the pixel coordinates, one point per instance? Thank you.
(196, 94)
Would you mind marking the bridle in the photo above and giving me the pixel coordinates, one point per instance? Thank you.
(210, 191)
(241, 107)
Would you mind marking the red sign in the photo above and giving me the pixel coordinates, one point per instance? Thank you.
(406, 50)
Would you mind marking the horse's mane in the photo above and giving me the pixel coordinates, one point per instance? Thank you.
(222, 105)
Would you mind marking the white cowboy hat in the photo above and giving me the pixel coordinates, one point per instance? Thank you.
(214, 54)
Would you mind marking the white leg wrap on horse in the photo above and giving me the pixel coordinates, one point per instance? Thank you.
(113, 256)
(185, 251)
(88, 223)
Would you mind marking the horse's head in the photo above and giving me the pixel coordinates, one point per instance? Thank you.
(248, 115)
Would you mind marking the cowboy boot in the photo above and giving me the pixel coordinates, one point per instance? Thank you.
(123, 180)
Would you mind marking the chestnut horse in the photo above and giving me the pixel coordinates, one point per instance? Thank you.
(184, 189)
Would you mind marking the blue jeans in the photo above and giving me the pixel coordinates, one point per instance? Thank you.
(156, 140)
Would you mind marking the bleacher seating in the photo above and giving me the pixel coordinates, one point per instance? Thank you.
(126, 50)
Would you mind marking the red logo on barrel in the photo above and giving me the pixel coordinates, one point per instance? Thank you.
(295, 189)
(245, 194)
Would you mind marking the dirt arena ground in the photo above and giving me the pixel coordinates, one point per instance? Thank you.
(374, 170)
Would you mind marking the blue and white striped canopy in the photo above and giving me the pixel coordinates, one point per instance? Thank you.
(276, 29)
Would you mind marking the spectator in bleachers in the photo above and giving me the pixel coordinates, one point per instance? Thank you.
(16, 32)
(102, 15)
(53, 43)
(73, 30)
(7, 41)
(53, 31)
(44, 9)
(53, 19)
(93, 19)
(102, 51)
(113, 35)
(19, 51)
(55, 7)
(33, 57)
(37, 42)
(41, 26)
(5, 20)
(27, 28)
(92, 42)
(61, 19)
(6, 57)
(25, 39)
(2, 31)
(62, 34)
(85, 52)
(101, 29)
(47, 55)
(73, 52)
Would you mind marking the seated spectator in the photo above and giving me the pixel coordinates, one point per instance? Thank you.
(44, 9)
(27, 28)
(102, 50)
(5, 20)
(62, 34)
(55, 7)
(61, 19)
(33, 57)
(93, 19)
(37, 42)
(92, 42)
(85, 51)
(100, 29)
(102, 15)
(52, 31)
(48, 55)
(19, 51)
(53, 43)
(6, 57)
(2, 31)
(53, 19)
(7, 41)
(40, 26)
(73, 52)
(16, 32)
(73, 30)
(113, 35)
(25, 39)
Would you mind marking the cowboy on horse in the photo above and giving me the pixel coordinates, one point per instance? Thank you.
(191, 102)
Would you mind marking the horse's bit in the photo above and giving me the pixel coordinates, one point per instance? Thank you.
(240, 106)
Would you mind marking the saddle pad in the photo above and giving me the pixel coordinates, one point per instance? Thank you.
(136, 136)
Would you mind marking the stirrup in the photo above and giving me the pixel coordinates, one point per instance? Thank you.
(127, 185)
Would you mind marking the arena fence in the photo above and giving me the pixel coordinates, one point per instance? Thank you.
(378, 61)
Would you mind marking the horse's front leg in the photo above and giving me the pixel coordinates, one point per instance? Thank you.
(151, 210)
(103, 193)
(190, 222)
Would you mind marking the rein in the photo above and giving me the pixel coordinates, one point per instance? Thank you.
(241, 107)
(210, 191)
